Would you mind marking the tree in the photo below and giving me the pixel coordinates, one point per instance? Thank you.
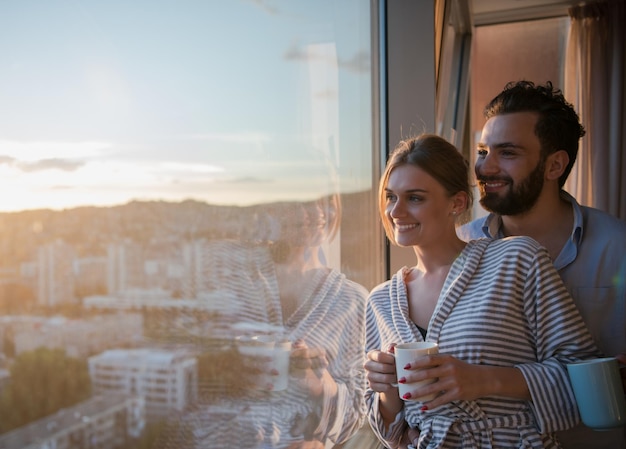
(165, 435)
(8, 342)
(42, 382)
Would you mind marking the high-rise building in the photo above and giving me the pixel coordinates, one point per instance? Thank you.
(55, 280)
(125, 267)
(193, 262)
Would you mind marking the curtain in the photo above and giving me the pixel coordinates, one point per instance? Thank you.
(595, 83)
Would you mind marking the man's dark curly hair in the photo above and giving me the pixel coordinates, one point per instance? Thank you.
(558, 126)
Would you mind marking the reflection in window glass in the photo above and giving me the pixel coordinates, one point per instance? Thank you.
(186, 222)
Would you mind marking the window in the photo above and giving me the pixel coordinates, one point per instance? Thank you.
(533, 50)
(143, 143)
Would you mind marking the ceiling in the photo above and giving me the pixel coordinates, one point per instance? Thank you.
(498, 11)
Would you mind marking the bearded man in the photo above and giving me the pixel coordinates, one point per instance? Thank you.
(526, 151)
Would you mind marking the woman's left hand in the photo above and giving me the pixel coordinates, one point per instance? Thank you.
(309, 366)
(458, 380)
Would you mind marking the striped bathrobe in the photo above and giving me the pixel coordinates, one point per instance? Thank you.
(331, 316)
(502, 304)
(245, 290)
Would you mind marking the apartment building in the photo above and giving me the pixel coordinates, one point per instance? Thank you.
(110, 421)
(166, 380)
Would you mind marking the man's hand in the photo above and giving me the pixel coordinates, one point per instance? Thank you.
(621, 358)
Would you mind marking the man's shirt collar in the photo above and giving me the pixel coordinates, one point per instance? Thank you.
(492, 227)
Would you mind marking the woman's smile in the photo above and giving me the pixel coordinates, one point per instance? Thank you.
(404, 227)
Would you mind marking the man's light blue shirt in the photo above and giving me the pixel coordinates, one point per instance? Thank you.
(592, 265)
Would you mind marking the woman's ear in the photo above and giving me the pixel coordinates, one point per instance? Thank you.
(556, 164)
(460, 203)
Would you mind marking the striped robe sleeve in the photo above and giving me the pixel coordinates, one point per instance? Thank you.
(560, 337)
(383, 322)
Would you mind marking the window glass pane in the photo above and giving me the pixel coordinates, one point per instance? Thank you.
(176, 176)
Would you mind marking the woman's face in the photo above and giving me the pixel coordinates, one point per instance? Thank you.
(306, 223)
(418, 207)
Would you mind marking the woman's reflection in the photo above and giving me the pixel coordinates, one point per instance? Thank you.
(275, 278)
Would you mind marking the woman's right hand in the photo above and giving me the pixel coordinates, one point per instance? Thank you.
(380, 370)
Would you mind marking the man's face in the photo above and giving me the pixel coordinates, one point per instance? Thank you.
(509, 168)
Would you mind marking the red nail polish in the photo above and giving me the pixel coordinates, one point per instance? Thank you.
(402, 380)
(407, 366)
(406, 396)
(424, 408)
(392, 349)
(274, 372)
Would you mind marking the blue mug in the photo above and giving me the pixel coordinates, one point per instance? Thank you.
(599, 393)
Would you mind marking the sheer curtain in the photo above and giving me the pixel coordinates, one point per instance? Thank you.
(595, 83)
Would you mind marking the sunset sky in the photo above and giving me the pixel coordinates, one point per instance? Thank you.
(232, 102)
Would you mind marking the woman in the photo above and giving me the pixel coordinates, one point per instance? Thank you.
(503, 320)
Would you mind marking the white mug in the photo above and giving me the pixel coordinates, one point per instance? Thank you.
(408, 353)
(274, 353)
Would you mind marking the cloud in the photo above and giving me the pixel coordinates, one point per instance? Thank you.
(7, 160)
(242, 137)
(359, 63)
(328, 93)
(35, 150)
(295, 53)
(49, 164)
(41, 164)
(265, 6)
(247, 180)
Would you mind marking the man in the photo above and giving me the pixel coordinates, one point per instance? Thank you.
(526, 151)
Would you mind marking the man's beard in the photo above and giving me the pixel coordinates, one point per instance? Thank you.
(519, 199)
